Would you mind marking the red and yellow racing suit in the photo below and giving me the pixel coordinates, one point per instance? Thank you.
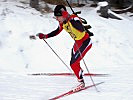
(82, 41)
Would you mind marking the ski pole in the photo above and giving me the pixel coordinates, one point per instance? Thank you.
(57, 55)
(86, 67)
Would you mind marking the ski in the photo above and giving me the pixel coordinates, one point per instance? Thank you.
(72, 92)
(67, 74)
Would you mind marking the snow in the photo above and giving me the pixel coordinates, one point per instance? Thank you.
(102, 4)
(112, 53)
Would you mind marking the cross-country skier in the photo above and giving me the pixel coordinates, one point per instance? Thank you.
(73, 25)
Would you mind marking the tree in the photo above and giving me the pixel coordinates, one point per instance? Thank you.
(55, 1)
(34, 4)
(120, 3)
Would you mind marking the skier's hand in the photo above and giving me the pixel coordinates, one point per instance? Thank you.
(32, 37)
(41, 35)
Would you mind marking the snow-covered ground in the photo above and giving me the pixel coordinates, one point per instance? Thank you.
(112, 53)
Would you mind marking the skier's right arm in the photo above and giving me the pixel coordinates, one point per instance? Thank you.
(51, 34)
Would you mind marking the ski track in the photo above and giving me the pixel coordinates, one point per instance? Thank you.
(25, 87)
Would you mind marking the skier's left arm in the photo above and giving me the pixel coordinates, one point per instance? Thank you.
(77, 24)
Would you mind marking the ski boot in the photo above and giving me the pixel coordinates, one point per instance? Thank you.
(80, 86)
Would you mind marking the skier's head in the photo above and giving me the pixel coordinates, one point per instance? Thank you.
(60, 10)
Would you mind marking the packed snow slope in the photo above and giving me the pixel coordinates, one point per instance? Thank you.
(112, 53)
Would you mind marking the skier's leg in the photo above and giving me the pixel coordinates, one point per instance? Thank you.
(77, 55)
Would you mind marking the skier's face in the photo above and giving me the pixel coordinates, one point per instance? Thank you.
(60, 19)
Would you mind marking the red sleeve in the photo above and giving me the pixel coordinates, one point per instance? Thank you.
(55, 32)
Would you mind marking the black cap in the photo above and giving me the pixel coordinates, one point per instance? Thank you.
(58, 10)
